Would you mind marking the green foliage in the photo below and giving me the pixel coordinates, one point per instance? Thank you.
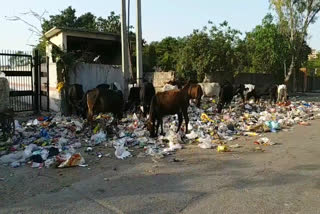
(67, 18)
(314, 65)
(267, 49)
(210, 50)
(18, 61)
(219, 49)
(111, 24)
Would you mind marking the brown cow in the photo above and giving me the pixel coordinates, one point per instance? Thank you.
(169, 103)
(195, 92)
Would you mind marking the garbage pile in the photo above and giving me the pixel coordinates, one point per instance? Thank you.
(247, 120)
(56, 141)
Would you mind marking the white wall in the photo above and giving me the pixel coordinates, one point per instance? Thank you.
(91, 75)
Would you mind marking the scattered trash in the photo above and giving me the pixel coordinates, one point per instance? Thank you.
(235, 146)
(192, 135)
(72, 160)
(304, 123)
(173, 147)
(121, 152)
(264, 141)
(222, 148)
(89, 149)
(99, 138)
(251, 134)
(205, 143)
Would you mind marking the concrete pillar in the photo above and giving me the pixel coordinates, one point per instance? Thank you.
(139, 45)
(124, 49)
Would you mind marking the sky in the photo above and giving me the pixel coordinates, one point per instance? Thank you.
(160, 18)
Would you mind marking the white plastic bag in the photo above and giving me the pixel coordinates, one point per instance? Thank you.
(205, 143)
(192, 135)
(98, 138)
(172, 147)
(121, 152)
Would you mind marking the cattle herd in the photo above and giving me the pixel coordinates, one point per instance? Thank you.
(174, 99)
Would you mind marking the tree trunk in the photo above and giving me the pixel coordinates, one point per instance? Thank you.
(291, 71)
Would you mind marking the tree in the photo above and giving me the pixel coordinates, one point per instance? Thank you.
(87, 22)
(313, 66)
(66, 18)
(18, 61)
(295, 16)
(267, 49)
(196, 57)
(167, 53)
(208, 51)
(111, 25)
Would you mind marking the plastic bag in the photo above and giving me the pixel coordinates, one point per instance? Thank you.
(62, 142)
(13, 157)
(192, 135)
(172, 147)
(264, 141)
(205, 142)
(121, 152)
(44, 154)
(29, 149)
(98, 138)
(174, 137)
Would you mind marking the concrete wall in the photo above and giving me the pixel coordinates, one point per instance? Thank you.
(54, 95)
(91, 75)
(256, 79)
(57, 40)
(159, 79)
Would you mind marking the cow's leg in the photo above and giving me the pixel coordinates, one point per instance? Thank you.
(186, 118)
(180, 119)
(162, 132)
(243, 97)
(145, 109)
(198, 102)
(157, 126)
(270, 99)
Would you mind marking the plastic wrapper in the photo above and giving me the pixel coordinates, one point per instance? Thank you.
(72, 160)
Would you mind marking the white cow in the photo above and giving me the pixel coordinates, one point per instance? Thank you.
(282, 93)
(210, 89)
(168, 87)
(248, 88)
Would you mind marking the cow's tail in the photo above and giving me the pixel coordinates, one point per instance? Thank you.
(152, 109)
(92, 97)
(200, 92)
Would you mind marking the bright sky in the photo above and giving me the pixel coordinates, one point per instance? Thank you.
(160, 18)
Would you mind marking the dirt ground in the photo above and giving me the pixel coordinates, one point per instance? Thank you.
(283, 178)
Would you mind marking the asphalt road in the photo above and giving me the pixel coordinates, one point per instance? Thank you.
(284, 178)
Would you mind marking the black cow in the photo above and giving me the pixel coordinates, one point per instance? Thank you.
(225, 96)
(273, 93)
(239, 90)
(103, 86)
(104, 100)
(146, 93)
(134, 98)
(74, 97)
(258, 92)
